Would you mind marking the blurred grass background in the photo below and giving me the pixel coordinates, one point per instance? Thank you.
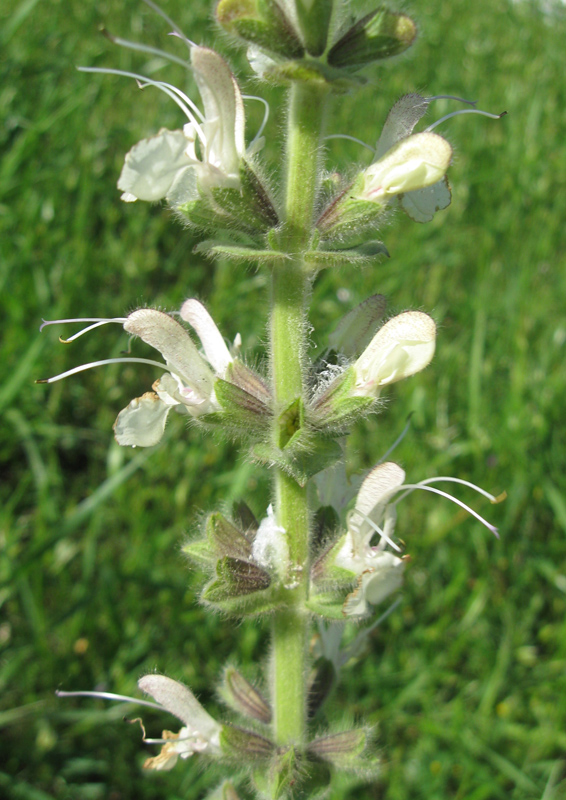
(466, 682)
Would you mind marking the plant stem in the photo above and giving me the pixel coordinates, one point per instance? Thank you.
(290, 290)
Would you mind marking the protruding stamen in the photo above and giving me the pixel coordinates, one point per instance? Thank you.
(464, 111)
(377, 529)
(90, 328)
(168, 19)
(351, 139)
(175, 94)
(450, 479)
(411, 487)
(145, 48)
(451, 97)
(110, 696)
(93, 364)
(398, 440)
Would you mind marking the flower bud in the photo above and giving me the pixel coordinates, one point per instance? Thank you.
(226, 539)
(342, 750)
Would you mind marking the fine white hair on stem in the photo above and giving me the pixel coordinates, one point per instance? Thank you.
(93, 364)
(463, 111)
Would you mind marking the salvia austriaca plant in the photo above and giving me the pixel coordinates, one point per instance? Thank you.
(325, 553)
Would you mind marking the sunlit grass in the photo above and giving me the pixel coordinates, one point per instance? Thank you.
(465, 683)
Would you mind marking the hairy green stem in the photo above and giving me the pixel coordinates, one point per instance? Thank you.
(290, 290)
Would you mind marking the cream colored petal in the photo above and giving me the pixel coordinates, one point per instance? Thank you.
(175, 345)
(375, 585)
(142, 422)
(152, 166)
(181, 702)
(403, 346)
(415, 162)
(223, 109)
(422, 204)
(212, 341)
(378, 487)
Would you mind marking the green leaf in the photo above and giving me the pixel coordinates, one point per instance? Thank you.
(234, 252)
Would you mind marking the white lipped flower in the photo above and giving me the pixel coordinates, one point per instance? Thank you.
(379, 571)
(200, 732)
(207, 152)
(188, 383)
(413, 166)
(403, 346)
(413, 163)
(168, 165)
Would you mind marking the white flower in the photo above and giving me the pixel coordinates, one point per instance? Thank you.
(419, 202)
(270, 548)
(379, 572)
(413, 167)
(169, 165)
(187, 386)
(206, 153)
(403, 346)
(200, 733)
(413, 163)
